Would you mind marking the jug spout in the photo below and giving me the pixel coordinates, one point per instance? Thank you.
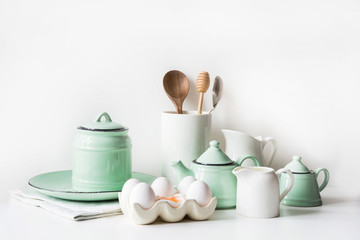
(233, 140)
(181, 170)
(238, 170)
(229, 134)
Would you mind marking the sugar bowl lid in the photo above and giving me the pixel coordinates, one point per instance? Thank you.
(103, 126)
(213, 156)
(296, 166)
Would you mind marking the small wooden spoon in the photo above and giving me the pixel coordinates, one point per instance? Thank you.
(202, 85)
(176, 86)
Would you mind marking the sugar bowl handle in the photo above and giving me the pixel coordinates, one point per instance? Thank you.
(326, 178)
(289, 183)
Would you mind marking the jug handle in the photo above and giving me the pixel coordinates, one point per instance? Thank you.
(240, 161)
(273, 142)
(289, 183)
(326, 179)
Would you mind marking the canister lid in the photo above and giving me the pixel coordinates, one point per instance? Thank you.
(103, 126)
(296, 166)
(214, 156)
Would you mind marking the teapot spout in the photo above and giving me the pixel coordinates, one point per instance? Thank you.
(181, 170)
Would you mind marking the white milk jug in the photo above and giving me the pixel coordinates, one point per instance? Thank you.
(239, 144)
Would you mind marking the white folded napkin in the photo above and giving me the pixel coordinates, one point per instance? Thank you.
(73, 210)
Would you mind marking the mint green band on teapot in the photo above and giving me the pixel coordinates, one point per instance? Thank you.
(326, 177)
(240, 161)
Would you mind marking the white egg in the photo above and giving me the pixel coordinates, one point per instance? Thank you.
(144, 195)
(185, 183)
(128, 187)
(199, 191)
(162, 187)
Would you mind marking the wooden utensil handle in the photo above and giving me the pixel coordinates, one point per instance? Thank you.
(200, 103)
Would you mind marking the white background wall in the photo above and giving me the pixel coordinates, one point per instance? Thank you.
(291, 70)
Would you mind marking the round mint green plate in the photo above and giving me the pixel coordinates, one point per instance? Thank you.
(59, 184)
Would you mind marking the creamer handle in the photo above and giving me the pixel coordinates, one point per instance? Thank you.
(273, 142)
(326, 179)
(289, 183)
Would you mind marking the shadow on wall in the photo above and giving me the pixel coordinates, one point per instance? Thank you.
(193, 96)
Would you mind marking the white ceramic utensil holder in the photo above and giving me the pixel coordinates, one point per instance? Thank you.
(183, 137)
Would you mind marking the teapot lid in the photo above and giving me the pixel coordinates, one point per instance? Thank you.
(214, 156)
(103, 126)
(296, 166)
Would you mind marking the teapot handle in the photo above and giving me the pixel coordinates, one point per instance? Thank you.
(240, 161)
(289, 183)
(326, 179)
(273, 142)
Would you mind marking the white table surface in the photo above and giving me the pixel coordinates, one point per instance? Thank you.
(338, 218)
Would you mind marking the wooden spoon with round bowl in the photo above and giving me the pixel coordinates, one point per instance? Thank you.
(176, 86)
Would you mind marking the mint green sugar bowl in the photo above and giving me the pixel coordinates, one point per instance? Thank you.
(101, 156)
(306, 190)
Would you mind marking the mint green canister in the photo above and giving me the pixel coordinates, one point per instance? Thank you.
(101, 156)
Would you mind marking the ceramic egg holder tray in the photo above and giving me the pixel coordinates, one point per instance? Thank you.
(165, 211)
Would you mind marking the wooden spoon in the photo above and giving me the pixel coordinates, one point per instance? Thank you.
(202, 85)
(176, 86)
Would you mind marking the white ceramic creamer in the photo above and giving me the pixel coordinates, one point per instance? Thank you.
(258, 191)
